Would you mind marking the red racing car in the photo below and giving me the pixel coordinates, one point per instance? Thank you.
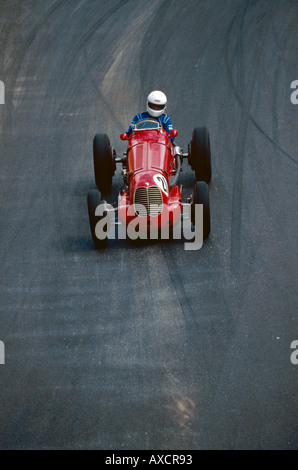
(150, 201)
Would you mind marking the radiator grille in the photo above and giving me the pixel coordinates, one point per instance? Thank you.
(148, 201)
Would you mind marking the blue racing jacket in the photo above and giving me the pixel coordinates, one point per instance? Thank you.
(164, 120)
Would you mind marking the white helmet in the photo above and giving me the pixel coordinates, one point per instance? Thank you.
(156, 103)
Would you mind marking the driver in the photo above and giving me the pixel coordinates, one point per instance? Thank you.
(156, 105)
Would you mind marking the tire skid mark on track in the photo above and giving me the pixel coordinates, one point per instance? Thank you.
(72, 57)
(242, 131)
(178, 285)
(115, 74)
(79, 48)
(106, 104)
(159, 67)
(11, 116)
(122, 72)
(16, 66)
(242, 104)
(147, 61)
(14, 242)
(287, 31)
(247, 275)
(112, 342)
(201, 324)
(185, 305)
(11, 113)
(157, 348)
(275, 129)
(192, 316)
(171, 336)
(282, 66)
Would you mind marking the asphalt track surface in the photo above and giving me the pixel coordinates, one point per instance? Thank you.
(150, 346)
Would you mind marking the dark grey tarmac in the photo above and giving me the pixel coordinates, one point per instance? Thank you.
(150, 346)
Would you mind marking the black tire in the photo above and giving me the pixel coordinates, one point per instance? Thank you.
(104, 166)
(200, 154)
(201, 196)
(94, 200)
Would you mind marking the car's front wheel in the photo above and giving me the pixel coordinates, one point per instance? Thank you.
(201, 196)
(93, 201)
(200, 154)
(104, 166)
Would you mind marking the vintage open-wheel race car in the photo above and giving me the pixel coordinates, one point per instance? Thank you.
(150, 198)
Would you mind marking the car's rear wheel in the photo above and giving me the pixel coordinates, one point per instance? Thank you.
(201, 196)
(93, 201)
(104, 166)
(200, 154)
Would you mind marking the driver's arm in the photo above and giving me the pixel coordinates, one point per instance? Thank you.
(168, 126)
(136, 119)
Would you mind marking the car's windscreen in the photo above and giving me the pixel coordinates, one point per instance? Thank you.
(147, 124)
